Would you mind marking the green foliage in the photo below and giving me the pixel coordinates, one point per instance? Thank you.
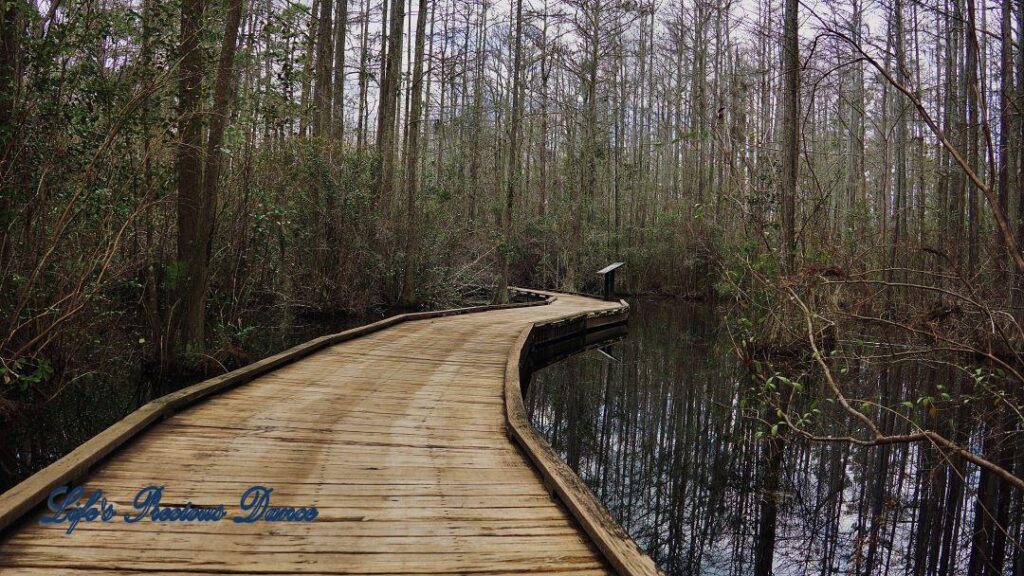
(22, 375)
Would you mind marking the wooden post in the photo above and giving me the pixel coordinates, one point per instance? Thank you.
(608, 272)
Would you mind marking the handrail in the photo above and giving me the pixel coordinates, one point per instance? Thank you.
(607, 275)
(610, 268)
(610, 538)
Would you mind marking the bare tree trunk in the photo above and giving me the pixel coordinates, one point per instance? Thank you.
(223, 92)
(477, 111)
(385, 12)
(322, 98)
(545, 74)
(340, 29)
(1020, 173)
(307, 67)
(389, 101)
(412, 161)
(1006, 98)
(513, 162)
(900, 116)
(197, 187)
(364, 74)
(790, 133)
(971, 76)
(10, 47)
(193, 208)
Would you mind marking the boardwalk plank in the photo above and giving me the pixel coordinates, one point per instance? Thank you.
(398, 436)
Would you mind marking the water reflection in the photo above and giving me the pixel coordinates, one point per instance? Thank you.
(658, 437)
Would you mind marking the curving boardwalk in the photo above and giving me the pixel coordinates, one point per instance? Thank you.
(400, 437)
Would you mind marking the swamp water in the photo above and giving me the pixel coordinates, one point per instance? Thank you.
(655, 432)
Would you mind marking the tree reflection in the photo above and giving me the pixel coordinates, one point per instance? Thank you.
(660, 439)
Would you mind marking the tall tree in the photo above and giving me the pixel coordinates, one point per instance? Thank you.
(322, 98)
(223, 93)
(790, 129)
(338, 106)
(513, 167)
(900, 117)
(389, 93)
(412, 159)
(364, 74)
(973, 130)
(198, 180)
(10, 43)
(1006, 120)
(1020, 169)
(545, 77)
(855, 139)
(194, 209)
(309, 61)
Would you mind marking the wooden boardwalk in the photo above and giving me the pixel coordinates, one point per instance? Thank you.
(409, 438)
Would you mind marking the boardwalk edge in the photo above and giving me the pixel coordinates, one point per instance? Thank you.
(611, 539)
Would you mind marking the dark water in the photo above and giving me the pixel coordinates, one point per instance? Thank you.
(658, 435)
